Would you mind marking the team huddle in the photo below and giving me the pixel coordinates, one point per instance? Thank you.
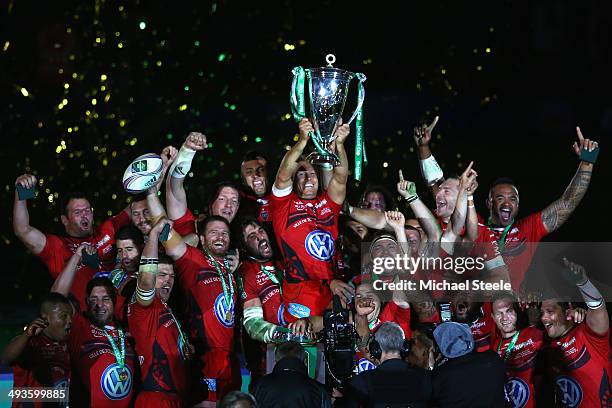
(154, 306)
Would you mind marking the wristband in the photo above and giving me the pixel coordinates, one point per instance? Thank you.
(470, 197)
(182, 163)
(412, 194)
(592, 297)
(149, 268)
(431, 170)
(149, 261)
(174, 240)
(145, 295)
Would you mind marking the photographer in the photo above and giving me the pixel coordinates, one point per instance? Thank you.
(393, 381)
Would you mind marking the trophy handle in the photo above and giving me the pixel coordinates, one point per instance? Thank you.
(360, 96)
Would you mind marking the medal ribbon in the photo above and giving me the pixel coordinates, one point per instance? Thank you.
(360, 152)
(181, 334)
(273, 277)
(510, 346)
(119, 354)
(501, 243)
(227, 294)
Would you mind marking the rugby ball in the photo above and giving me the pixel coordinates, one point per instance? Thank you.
(142, 173)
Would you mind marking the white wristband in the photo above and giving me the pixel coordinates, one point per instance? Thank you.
(470, 197)
(431, 170)
(182, 163)
(591, 295)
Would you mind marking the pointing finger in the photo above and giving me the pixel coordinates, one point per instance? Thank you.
(401, 176)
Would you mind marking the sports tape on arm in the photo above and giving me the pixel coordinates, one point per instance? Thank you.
(182, 164)
(591, 295)
(256, 326)
(431, 170)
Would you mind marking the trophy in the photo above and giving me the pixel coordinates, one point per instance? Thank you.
(327, 90)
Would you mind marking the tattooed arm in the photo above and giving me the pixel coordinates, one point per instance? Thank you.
(559, 211)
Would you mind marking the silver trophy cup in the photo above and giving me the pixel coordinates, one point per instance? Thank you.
(327, 88)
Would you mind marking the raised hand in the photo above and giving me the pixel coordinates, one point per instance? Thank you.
(468, 178)
(395, 220)
(342, 132)
(301, 327)
(574, 273)
(305, 127)
(233, 260)
(583, 143)
(422, 134)
(157, 228)
(364, 306)
(195, 141)
(405, 188)
(37, 326)
(342, 289)
(26, 181)
(168, 155)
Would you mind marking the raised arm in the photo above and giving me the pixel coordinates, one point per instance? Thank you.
(555, 215)
(147, 272)
(407, 189)
(337, 186)
(432, 173)
(597, 315)
(459, 216)
(289, 165)
(63, 283)
(31, 237)
(15, 348)
(176, 199)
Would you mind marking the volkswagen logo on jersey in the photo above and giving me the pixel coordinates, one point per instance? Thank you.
(364, 365)
(569, 391)
(112, 386)
(518, 392)
(221, 310)
(279, 315)
(320, 245)
(63, 383)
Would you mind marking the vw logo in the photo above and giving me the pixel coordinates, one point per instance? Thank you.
(320, 245)
(518, 392)
(365, 365)
(112, 386)
(569, 391)
(221, 310)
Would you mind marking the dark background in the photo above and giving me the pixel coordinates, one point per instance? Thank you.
(509, 80)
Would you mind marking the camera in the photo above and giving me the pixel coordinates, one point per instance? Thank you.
(339, 340)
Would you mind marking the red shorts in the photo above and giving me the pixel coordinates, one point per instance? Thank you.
(304, 299)
(220, 373)
(148, 399)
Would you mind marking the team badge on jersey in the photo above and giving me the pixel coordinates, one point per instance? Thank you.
(364, 365)
(569, 391)
(517, 391)
(320, 245)
(224, 314)
(116, 382)
(63, 383)
(299, 311)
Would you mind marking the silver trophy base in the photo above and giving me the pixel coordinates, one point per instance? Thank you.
(318, 159)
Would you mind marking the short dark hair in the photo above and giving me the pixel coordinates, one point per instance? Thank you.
(202, 224)
(253, 155)
(52, 299)
(130, 232)
(72, 195)
(290, 349)
(390, 202)
(137, 198)
(232, 397)
(104, 282)
(165, 259)
(501, 180)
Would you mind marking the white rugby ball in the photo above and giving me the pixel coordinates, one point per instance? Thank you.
(142, 173)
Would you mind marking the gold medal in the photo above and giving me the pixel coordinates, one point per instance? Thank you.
(123, 376)
(228, 316)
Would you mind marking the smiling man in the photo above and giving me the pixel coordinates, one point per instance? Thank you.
(578, 355)
(39, 356)
(255, 195)
(305, 223)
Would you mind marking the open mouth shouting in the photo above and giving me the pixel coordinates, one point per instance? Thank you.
(264, 248)
(505, 214)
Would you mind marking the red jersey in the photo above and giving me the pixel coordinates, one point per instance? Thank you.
(580, 364)
(258, 207)
(59, 249)
(43, 363)
(160, 347)
(211, 318)
(97, 379)
(257, 284)
(186, 224)
(391, 312)
(306, 231)
(484, 329)
(520, 364)
(518, 250)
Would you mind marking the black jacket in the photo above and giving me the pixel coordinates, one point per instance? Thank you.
(474, 380)
(392, 384)
(288, 385)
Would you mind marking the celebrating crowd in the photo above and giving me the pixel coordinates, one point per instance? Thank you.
(155, 306)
